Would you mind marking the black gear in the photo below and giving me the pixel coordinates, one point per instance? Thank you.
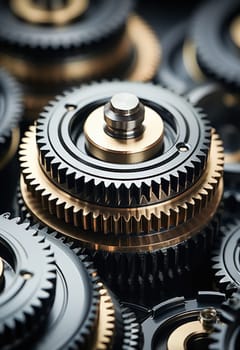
(72, 318)
(11, 106)
(79, 289)
(226, 257)
(227, 334)
(138, 274)
(213, 99)
(217, 55)
(30, 278)
(172, 72)
(121, 184)
(171, 314)
(91, 29)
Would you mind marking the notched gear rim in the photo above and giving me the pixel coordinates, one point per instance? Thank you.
(209, 49)
(225, 281)
(128, 220)
(36, 307)
(105, 190)
(131, 329)
(13, 110)
(231, 317)
(126, 265)
(101, 302)
(92, 36)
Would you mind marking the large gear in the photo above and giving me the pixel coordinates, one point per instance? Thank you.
(217, 53)
(181, 323)
(226, 335)
(122, 184)
(156, 209)
(48, 58)
(29, 281)
(226, 257)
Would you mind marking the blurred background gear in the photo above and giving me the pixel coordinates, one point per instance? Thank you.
(223, 110)
(128, 179)
(179, 70)
(178, 323)
(215, 33)
(226, 257)
(27, 283)
(226, 334)
(10, 114)
(49, 45)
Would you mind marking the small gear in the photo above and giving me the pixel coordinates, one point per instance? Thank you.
(175, 71)
(29, 281)
(226, 257)
(226, 335)
(217, 53)
(222, 108)
(181, 323)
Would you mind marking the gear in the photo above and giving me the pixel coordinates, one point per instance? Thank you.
(47, 59)
(11, 106)
(100, 323)
(214, 43)
(88, 30)
(10, 114)
(123, 185)
(226, 257)
(136, 216)
(176, 70)
(226, 335)
(180, 323)
(30, 278)
(222, 108)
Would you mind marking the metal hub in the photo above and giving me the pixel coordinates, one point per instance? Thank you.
(124, 130)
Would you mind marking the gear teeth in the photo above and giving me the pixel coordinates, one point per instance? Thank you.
(107, 221)
(38, 307)
(132, 331)
(126, 194)
(21, 39)
(224, 280)
(224, 335)
(127, 270)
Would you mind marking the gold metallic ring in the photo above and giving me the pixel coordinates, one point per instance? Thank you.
(15, 138)
(180, 336)
(190, 62)
(27, 10)
(235, 31)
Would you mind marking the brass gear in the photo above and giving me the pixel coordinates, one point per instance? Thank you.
(106, 322)
(97, 218)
